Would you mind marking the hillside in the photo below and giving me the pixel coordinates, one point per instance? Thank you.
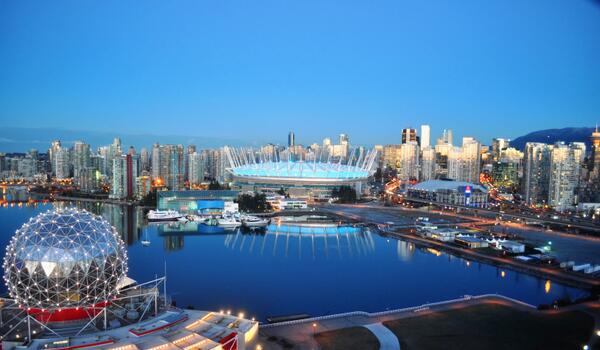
(554, 135)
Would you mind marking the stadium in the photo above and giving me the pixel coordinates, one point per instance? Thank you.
(313, 176)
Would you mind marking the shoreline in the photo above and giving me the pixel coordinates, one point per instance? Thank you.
(578, 281)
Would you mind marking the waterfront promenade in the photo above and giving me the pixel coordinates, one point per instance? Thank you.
(301, 333)
(310, 333)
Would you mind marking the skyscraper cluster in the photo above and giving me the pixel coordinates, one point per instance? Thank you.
(557, 175)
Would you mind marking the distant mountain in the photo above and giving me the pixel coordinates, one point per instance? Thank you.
(554, 135)
(14, 139)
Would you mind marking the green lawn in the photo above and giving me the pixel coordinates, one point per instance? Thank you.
(348, 338)
(492, 327)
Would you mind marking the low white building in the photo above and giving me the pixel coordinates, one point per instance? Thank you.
(290, 204)
(512, 246)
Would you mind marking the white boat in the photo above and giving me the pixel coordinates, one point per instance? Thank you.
(145, 242)
(163, 215)
(253, 221)
(229, 222)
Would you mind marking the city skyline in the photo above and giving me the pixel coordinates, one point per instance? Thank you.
(229, 70)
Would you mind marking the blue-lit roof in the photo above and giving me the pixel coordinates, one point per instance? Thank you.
(304, 170)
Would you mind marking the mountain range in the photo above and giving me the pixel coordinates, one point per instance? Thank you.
(555, 135)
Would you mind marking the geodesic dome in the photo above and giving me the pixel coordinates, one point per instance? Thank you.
(64, 258)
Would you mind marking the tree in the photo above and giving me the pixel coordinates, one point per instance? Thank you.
(215, 185)
(256, 203)
(345, 194)
(149, 199)
(282, 192)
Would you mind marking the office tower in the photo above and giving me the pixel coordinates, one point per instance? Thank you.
(428, 163)
(409, 135)
(499, 144)
(291, 139)
(409, 161)
(565, 169)
(425, 136)
(81, 157)
(62, 163)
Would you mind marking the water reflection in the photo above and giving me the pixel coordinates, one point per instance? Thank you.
(405, 250)
(128, 220)
(299, 239)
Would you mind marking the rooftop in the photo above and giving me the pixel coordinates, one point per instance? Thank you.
(434, 185)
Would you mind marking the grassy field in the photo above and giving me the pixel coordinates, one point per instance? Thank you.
(491, 327)
(347, 338)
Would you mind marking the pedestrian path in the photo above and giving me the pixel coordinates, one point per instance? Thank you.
(387, 339)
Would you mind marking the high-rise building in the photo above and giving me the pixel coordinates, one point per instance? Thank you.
(409, 135)
(425, 136)
(565, 171)
(409, 161)
(191, 149)
(391, 156)
(156, 157)
(499, 144)
(428, 163)
(89, 180)
(52, 152)
(291, 139)
(81, 157)
(124, 178)
(344, 139)
(508, 168)
(144, 159)
(464, 163)
(595, 157)
(536, 167)
(197, 167)
(61, 164)
(114, 151)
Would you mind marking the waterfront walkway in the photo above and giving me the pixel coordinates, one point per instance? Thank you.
(301, 333)
(387, 339)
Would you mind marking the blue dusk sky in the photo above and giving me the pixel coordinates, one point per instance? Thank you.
(257, 69)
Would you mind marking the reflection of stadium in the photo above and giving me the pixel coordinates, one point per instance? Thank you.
(66, 273)
(313, 177)
(298, 239)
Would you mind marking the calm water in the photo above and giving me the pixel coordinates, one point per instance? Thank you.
(277, 273)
